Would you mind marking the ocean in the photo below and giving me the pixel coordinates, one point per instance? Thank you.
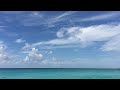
(59, 73)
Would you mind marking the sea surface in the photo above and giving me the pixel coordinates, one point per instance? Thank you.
(60, 73)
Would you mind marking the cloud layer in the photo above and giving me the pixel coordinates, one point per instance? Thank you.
(102, 16)
(85, 36)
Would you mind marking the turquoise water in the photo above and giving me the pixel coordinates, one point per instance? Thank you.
(59, 74)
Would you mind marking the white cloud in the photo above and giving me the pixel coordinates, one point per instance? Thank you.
(85, 36)
(3, 54)
(62, 17)
(53, 61)
(37, 18)
(33, 18)
(33, 55)
(20, 40)
(112, 45)
(6, 57)
(60, 34)
(26, 47)
(36, 14)
(101, 17)
(66, 14)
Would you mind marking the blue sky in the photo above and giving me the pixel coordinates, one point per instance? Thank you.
(59, 39)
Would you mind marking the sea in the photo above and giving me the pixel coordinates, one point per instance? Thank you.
(59, 73)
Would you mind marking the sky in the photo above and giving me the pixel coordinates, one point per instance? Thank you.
(59, 39)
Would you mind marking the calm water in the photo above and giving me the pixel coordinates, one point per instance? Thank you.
(59, 74)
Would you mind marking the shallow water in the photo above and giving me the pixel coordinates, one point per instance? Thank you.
(59, 73)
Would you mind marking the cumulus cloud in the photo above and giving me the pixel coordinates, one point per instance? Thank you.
(20, 40)
(34, 55)
(60, 34)
(3, 54)
(6, 57)
(85, 36)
